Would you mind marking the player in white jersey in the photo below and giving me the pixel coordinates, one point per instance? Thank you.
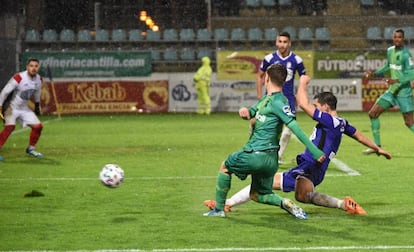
(14, 106)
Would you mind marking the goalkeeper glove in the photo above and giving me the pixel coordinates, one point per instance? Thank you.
(37, 109)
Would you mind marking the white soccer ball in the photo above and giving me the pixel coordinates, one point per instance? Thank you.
(111, 175)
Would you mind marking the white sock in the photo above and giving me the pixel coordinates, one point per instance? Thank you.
(239, 197)
(284, 140)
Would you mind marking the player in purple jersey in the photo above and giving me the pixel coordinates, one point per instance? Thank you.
(293, 63)
(327, 135)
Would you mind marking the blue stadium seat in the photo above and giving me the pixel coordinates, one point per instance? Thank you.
(322, 34)
(187, 34)
(367, 3)
(135, 35)
(49, 35)
(32, 36)
(84, 35)
(374, 33)
(155, 54)
(102, 35)
(255, 34)
(408, 32)
(203, 34)
(388, 32)
(118, 35)
(67, 35)
(170, 34)
(323, 37)
(285, 3)
(170, 54)
(187, 53)
(252, 4)
(305, 34)
(204, 52)
(271, 34)
(238, 34)
(221, 34)
(291, 30)
(153, 35)
(269, 3)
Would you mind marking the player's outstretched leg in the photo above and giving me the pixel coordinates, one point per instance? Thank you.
(293, 209)
(352, 207)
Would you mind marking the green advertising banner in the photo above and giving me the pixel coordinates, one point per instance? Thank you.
(92, 64)
(332, 65)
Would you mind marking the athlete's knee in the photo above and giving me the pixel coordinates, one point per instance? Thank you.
(37, 127)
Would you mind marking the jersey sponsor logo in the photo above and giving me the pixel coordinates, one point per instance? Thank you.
(17, 78)
(395, 67)
(288, 111)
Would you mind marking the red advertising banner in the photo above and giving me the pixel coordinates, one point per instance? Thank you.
(98, 97)
(371, 90)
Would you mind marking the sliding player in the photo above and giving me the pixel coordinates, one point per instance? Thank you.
(308, 173)
(14, 107)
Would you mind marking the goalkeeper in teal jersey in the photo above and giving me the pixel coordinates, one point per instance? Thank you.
(401, 68)
(259, 156)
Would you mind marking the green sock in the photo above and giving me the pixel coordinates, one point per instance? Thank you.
(222, 188)
(375, 128)
(270, 199)
(412, 128)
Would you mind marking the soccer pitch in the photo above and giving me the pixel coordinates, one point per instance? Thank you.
(170, 163)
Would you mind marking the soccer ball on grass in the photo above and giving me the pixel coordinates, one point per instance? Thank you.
(111, 175)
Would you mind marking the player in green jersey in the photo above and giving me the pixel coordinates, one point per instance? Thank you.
(259, 156)
(401, 68)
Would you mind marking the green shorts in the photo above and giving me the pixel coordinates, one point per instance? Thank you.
(262, 165)
(387, 100)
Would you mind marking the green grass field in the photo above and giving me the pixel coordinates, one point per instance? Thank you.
(170, 163)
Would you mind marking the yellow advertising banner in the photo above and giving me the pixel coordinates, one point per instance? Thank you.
(244, 65)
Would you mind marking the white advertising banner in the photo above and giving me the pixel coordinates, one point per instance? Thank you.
(229, 96)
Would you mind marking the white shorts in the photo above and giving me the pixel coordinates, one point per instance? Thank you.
(24, 117)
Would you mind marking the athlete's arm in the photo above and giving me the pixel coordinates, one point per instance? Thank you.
(8, 88)
(317, 154)
(369, 143)
(302, 96)
(259, 84)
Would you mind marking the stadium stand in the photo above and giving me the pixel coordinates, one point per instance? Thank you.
(322, 38)
(153, 35)
(187, 53)
(187, 34)
(170, 54)
(102, 35)
(170, 34)
(49, 35)
(292, 31)
(135, 35)
(374, 36)
(305, 37)
(67, 35)
(84, 35)
(118, 35)
(32, 35)
(203, 34)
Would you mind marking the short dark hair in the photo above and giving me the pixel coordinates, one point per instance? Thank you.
(285, 34)
(400, 30)
(31, 59)
(327, 98)
(277, 73)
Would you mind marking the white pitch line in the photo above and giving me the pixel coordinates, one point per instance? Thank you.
(332, 248)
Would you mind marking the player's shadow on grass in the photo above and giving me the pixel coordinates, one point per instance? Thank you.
(34, 161)
(123, 219)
